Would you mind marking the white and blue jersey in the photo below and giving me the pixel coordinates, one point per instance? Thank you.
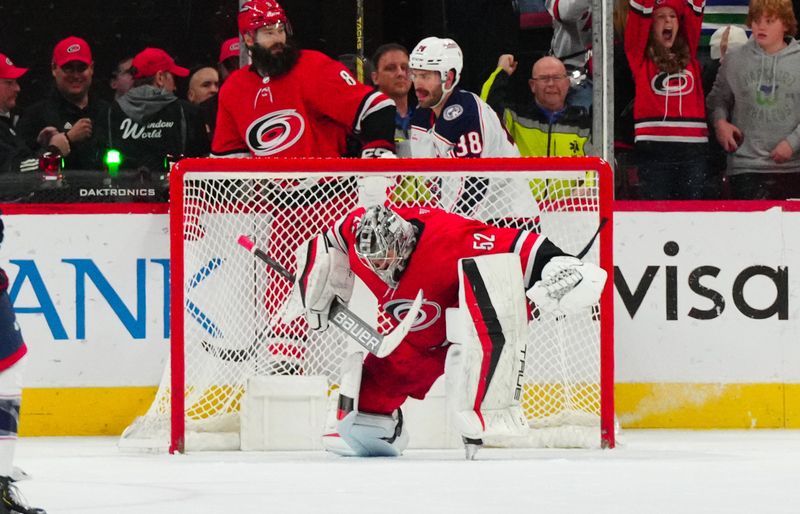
(467, 127)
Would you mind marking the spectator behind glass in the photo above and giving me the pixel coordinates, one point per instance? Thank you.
(755, 106)
(122, 78)
(547, 126)
(228, 58)
(70, 108)
(671, 135)
(391, 77)
(723, 40)
(572, 44)
(203, 84)
(149, 123)
(203, 90)
(15, 155)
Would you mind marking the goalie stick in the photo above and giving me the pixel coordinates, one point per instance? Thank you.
(340, 316)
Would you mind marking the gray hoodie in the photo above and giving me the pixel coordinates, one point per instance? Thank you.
(760, 94)
(143, 101)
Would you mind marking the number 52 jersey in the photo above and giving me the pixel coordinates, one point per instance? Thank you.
(442, 240)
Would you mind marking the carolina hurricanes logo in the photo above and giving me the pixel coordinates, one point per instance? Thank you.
(74, 48)
(426, 317)
(275, 132)
(673, 84)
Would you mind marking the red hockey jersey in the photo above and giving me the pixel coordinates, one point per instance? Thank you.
(667, 107)
(305, 113)
(443, 239)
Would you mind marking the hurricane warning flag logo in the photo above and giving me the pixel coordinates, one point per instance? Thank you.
(427, 316)
(673, 84)
(275, 132)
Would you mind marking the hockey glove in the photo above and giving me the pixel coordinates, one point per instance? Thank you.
(325, 274)
(567, 284)
(378, 150)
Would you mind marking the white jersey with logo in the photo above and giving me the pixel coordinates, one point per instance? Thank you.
(469, 128)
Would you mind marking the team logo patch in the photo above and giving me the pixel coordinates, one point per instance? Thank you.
(8, 61)
(673, 84)
(453, 112)
(427, 316)
(74, 48)
(275, 132)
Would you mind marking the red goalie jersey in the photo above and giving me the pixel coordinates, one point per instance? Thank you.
(442, 239)
(305, 113)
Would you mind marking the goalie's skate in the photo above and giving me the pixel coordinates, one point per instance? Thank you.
(12, 501)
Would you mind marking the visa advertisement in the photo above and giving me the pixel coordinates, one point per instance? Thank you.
(706, 315)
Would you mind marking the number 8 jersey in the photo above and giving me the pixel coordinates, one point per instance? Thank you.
(467, 127)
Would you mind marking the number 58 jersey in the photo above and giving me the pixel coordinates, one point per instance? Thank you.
(467, 127)
(442, 240)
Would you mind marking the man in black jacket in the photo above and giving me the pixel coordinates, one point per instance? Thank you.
(15, 155)
(69, 108)
(149, 123)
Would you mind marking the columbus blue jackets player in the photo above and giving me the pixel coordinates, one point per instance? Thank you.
(12, 349)
(451, 122)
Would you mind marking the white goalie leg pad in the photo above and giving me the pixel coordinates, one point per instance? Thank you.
(352, 433)
(568, 284)
(342, 402)
(485, 363)
(374, 435)
(323, 273)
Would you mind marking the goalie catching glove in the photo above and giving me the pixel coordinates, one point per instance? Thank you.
(325, 274)
(567, 284)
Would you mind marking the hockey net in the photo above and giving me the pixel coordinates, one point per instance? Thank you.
(225, 325)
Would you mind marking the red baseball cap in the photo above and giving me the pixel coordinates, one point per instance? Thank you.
(150, 61)
(72, 49)
(8, 70)
(230, 48)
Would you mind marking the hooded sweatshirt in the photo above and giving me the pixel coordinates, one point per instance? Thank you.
(760, 94)
(147, 124)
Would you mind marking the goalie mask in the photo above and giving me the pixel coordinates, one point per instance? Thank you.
(384, 242)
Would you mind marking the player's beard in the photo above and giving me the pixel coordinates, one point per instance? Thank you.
(274, 65)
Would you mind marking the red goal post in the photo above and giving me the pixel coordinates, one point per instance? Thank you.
(225, 324)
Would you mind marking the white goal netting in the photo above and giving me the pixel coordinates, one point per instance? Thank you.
(232, 330)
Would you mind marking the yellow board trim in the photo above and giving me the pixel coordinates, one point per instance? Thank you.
(673, 405)
(82, 410)
(108, 410)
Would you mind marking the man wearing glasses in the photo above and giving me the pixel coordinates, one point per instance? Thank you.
(548, 126)
(70, 108)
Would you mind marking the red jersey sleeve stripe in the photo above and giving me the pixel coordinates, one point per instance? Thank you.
(527, 247)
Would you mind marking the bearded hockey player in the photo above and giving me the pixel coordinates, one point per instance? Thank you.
(295, 103)
(473, 325)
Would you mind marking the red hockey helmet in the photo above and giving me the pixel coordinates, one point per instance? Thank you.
(255, 14)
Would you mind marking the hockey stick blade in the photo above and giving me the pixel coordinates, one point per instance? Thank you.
(340, 316)
(227, 354)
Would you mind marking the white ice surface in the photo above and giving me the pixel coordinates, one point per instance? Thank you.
(654, 471)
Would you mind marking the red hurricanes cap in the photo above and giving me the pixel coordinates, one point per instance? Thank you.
(8, 70)
(72, 49)
(230, 48)
(150, 61)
